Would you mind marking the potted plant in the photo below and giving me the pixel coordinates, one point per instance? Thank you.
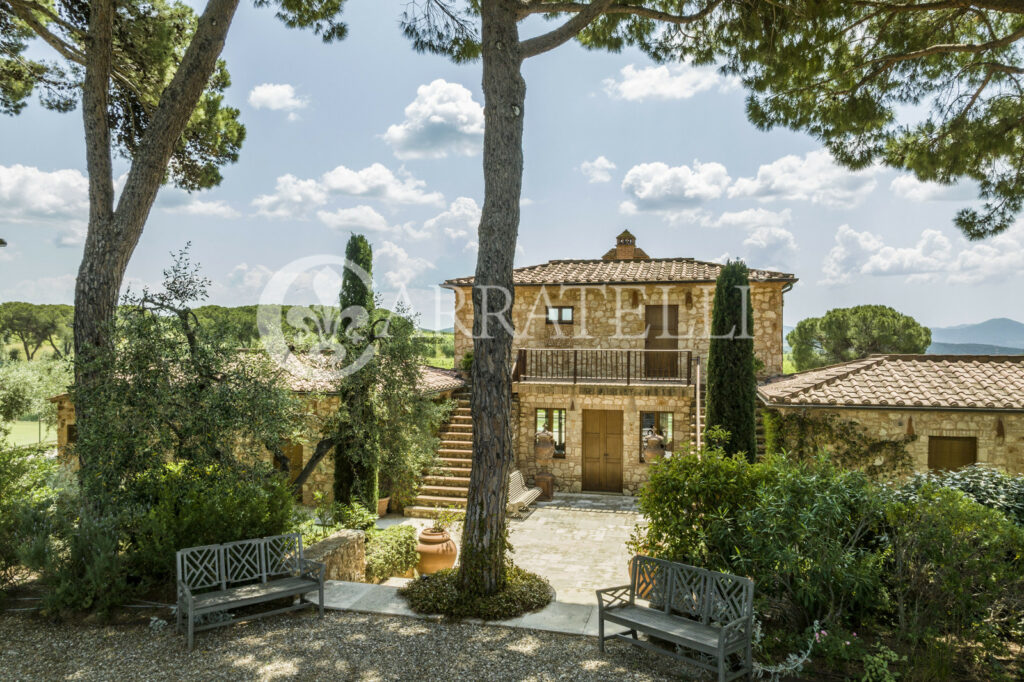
(436, 547)
(383, 497)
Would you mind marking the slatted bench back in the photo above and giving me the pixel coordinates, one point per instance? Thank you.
(709, 597)
(516, 485)
(220, 566)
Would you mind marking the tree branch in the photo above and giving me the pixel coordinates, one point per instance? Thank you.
(98, 57)
(634, 10)
(322, 448)
(177, 102)
(565, 32)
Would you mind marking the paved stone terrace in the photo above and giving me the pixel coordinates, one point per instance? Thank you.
(576, 541)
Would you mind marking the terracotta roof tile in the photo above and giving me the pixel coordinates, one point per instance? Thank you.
(306, 376)
(937, 381)
(632, 271)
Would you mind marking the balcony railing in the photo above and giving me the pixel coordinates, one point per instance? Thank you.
(583, 366)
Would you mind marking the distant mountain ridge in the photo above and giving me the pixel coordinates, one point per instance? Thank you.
(999, 331)
(972, 349)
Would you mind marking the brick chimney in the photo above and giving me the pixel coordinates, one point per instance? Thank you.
(625, 246)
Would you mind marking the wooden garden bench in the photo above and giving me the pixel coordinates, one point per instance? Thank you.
(519, 496)
(214, 579)
(698, 610)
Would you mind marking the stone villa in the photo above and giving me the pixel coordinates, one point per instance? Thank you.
(609, 350)
(961, 408)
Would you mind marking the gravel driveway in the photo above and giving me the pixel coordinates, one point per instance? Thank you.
(344, 646)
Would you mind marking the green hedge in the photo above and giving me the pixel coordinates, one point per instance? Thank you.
(390, 552)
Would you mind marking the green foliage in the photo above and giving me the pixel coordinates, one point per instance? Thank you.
(956, 568)
(24, 473)
(188, 505)
(804, 531)
(175, 391)
(926, 91)
(805, 435)
(439, 593)
(356, 292)
(354, 516)
(149, 41)
(466, 363)
(844, 334)
(445, 519)
(876, 665)
(983, 484)
(390, 552)
(26, 389)
(731, 380)
(32, 325)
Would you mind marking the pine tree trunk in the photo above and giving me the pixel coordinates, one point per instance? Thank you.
(482, 567)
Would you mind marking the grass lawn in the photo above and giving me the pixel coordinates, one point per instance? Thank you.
(27, 433)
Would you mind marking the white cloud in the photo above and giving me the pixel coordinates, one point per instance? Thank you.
(443, 120)
(815, 177)
(399, 267)
(770, 239)
(678, 81)
(213, 209)
(28, 194)
(598, 170)
(378, 182)
(356, 219)
(277, 97)
(934, 256)
(294, 197)
(460, 220)
(57, 289)
(909, 187)
(655, 186)
(752, 218)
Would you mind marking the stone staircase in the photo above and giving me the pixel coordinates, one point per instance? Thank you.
(448, 485)
(703, 402)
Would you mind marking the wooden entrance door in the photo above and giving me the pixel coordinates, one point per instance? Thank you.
(951, 453)
(661, 343)
(602, 450)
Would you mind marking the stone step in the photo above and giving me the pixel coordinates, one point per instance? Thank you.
(454, 472)
(460, 427)
(459, 436)
(461, 444)
(462, 451)
(462, 416)
(452, 481)
(440, 501)
(425, 512)
(443, 491)
(455, 463)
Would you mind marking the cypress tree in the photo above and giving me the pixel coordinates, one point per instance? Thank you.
(355, 292)
(731, 381)
(356, 457)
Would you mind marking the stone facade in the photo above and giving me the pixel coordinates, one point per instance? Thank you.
(630, 400)
(344, 554)
(612, 317)
(1000, 434)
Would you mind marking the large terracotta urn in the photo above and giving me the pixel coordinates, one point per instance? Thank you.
(544, 445)
(654, 446)
(437, 551)
(382, 505)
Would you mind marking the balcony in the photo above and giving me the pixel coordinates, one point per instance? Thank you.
(598, 366)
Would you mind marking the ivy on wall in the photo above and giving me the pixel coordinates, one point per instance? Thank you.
(805, 435)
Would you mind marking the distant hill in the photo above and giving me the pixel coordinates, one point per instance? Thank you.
(972, 349)
(1000, 331)
(785, 344)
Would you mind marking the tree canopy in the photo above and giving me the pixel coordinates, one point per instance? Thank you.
(844, 334)
(934, 88)
(32, 325)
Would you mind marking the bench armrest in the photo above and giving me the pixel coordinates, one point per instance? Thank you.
(312, 569)
(738, 629)
(611, 596)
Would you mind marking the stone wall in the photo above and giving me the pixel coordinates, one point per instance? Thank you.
(631, 400)
(612, 317)
(344, 554)
(1003, 448)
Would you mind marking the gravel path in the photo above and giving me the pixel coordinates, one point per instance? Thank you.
(344, 646)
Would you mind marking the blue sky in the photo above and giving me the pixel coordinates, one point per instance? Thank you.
(368, 136)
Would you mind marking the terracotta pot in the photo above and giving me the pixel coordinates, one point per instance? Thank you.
(382, 505)
(437, 551)
(643, 590)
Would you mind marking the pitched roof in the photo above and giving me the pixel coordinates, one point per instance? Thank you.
(903, 381)
(633, 271)
(438, 380)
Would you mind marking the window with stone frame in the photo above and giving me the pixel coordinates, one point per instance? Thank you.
(660, 423)
(560, 314)
(553, 419)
